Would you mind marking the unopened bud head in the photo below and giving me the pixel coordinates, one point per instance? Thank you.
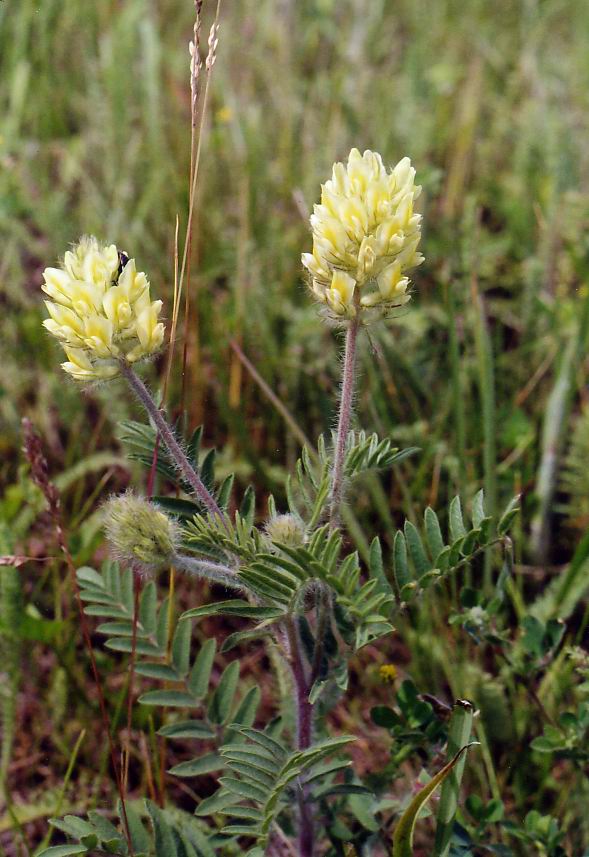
(286, 530)
(139, 534)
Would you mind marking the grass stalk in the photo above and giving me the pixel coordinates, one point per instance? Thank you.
(486, 382)
(10, 652)
(456, 383)
(63, 789)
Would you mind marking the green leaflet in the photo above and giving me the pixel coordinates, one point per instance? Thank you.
(403, 835)
(221, 704)
(64, 851)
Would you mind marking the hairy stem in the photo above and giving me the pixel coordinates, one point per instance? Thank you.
(304, 712)
(213, 571)
(323, 613)
(169, 438)
(343, 425)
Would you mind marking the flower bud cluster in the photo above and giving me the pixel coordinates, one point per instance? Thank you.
(286, 529)
(101, 311)
(365, 236)
(140, 535)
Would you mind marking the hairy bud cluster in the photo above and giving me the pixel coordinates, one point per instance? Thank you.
(139, 534)
(101, 311)
(286, 530)
(365, 236)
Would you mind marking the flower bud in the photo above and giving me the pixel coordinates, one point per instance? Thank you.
(388, 673)
(286, 530)
(139, 534)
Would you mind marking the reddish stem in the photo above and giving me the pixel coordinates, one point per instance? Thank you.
(304, 711)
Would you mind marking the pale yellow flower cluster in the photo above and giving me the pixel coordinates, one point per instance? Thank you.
(365, 236)
(101, 311)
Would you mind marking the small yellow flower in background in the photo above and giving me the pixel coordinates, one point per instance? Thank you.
(388, 673)
(101, 311)
(365, 236)
(224, 114)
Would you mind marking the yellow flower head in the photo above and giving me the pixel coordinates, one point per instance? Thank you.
(388, 673)
(101, 311)
(365, 236)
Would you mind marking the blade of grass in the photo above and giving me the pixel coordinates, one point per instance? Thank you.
(403, 835)
(10, 651)
(486, 383)
(456, 382)
(458, 735)
(63, 789)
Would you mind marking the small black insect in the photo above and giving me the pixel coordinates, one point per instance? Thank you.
(123, 259)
